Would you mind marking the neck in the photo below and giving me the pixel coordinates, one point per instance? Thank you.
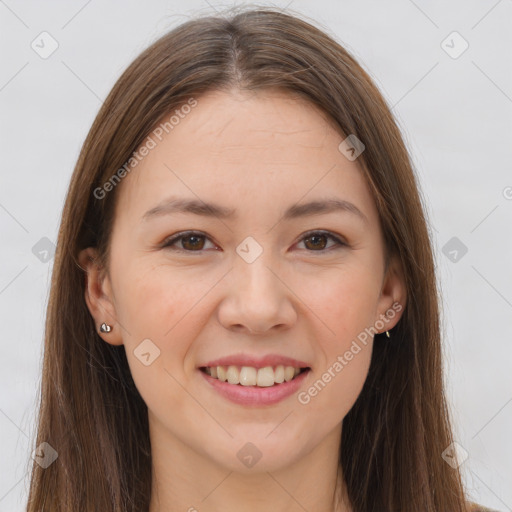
(184, 480)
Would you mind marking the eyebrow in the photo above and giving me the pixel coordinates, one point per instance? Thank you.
(175, 205)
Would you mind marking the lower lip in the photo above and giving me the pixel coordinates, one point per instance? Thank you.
(254, 395)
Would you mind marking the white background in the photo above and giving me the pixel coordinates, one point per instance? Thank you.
(456, 117)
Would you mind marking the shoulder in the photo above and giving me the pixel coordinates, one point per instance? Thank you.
(475, 507)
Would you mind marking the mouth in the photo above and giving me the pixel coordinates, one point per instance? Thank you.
(250, 376)
(252, 386)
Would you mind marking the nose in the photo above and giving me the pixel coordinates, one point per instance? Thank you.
(258, 299)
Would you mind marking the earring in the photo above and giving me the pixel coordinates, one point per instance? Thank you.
(105, 327)
(387, 334)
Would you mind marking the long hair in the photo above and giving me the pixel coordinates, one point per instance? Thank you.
(90, 410)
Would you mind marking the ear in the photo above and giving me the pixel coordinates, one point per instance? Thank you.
(393, 296)
(98, 295)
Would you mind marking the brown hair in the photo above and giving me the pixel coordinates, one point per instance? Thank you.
(91, 411)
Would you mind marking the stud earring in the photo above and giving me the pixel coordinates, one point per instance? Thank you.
(387, 334)
(105, 327)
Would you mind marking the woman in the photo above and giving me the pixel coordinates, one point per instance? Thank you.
(243, 310)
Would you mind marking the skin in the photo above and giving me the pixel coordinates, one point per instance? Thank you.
(258, 154)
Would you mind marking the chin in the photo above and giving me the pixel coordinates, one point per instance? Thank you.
(250, 456)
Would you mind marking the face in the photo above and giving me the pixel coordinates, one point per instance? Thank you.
(263, 277)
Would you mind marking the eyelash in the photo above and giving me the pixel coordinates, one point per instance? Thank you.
(179, 236)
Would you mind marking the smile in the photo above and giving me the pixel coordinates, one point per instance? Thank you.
(251, 376)
(266, 390)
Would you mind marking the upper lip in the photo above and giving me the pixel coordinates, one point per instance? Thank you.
(257, 362)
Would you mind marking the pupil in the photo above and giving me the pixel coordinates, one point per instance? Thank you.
(195, 239)
(316, 237)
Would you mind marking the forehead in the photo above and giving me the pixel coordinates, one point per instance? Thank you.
(245, 150)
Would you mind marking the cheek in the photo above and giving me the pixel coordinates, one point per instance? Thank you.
(347, 304)
(332, 393)
(158, 302)
(161, 307)
(346, 301)
(336, 383)
(164, 306)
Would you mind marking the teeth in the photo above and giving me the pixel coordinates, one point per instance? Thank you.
(250, 376)
(289, 372)
(233, 375)
(221, 374)
(279, 374)
(265, 377)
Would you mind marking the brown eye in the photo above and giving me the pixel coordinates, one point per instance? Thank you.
(190, 242)
(314, 241)
(317, 241)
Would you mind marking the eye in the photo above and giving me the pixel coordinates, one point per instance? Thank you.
(192, 241)
(317, 240)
